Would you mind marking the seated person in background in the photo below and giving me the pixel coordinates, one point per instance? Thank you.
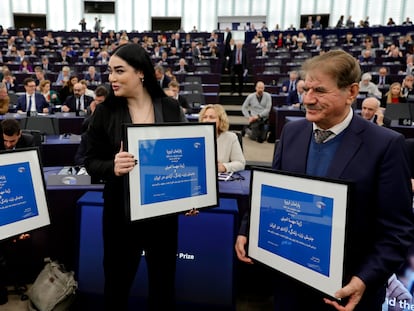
(9, 80)
(365, 85)
(92, 76)
(25, 66)
(407, 86)
(162, 79)
(78, 102)
(229, 152)
(51, 96)
(40, 76)
(87, 90)
(295, 98)
(290, 85)
(67, 88)
(366, 57)
(13, 137)
(182, 66)
(382, 80)
(101, 92)
(4, 99)
(31, 101)
(174, 92)
(393, 96)
(256, 107)
(64, 75)
(372, 112)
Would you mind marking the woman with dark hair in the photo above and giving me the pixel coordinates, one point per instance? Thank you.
(67, 88)
(135, 97)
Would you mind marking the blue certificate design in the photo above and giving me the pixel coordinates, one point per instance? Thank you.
(17, 196)
(171, 169)
(296, 226)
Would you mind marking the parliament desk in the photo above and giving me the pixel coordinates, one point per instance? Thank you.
(407, 131)
(280, 114)
(59, 149)
(53, 124)
(206, 244)
(205, 257)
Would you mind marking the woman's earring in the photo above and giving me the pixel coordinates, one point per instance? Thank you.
(142, 80)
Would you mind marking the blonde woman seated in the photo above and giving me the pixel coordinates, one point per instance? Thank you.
(229, 153)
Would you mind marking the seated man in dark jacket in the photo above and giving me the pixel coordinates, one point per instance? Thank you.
(13, 137)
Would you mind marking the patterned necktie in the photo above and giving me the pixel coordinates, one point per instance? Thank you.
(321, 135)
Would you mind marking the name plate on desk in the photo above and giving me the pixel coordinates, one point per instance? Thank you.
(69, 176)
(405, 121)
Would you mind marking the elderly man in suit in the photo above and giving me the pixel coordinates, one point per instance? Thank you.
(78, 102)
(334, 142)
(31, 102)
(238, 65)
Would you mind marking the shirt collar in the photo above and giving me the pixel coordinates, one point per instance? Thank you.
(340, 127)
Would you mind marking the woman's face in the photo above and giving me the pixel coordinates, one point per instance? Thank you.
(210, 115)
(124, 78)
(46, 87)
(395, 90)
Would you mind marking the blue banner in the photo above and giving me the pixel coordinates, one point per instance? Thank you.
(171, 169)
(17, 197)
(296, 226)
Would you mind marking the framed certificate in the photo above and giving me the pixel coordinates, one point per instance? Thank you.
(297, 226)
(23, 205)
(176, 168)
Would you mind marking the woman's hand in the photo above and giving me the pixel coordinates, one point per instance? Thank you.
(124, 162)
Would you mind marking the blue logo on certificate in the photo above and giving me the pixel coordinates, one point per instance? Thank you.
(172, 168)
(17, 197)
(297, 226)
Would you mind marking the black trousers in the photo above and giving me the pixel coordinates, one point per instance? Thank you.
(124, 245)
(237, 71)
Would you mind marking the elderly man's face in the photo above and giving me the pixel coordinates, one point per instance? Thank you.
(325, 103)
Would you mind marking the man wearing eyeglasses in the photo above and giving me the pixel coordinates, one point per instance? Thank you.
(31, 102)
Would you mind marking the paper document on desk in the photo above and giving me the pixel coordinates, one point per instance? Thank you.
(225, 176)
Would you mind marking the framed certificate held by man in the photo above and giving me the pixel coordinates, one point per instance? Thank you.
(297, 226)
(23, 205)
(176, 168)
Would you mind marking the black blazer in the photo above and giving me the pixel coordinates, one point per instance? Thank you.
(26, 140)
(243, 60)
(71, 102)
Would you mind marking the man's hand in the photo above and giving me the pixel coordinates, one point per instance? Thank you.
(380, 117)
(240, 248)
(353, 290)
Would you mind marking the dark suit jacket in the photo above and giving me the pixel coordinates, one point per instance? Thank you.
(97, 78)
(165, 81)
(292, 98)
(71, 102)
(380, 219)
(177, 68)
(26, 140)
(39, 99)
(375, 79)
(243, 60)
(286, 83)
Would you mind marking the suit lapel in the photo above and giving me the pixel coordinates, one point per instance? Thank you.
(350, 144)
